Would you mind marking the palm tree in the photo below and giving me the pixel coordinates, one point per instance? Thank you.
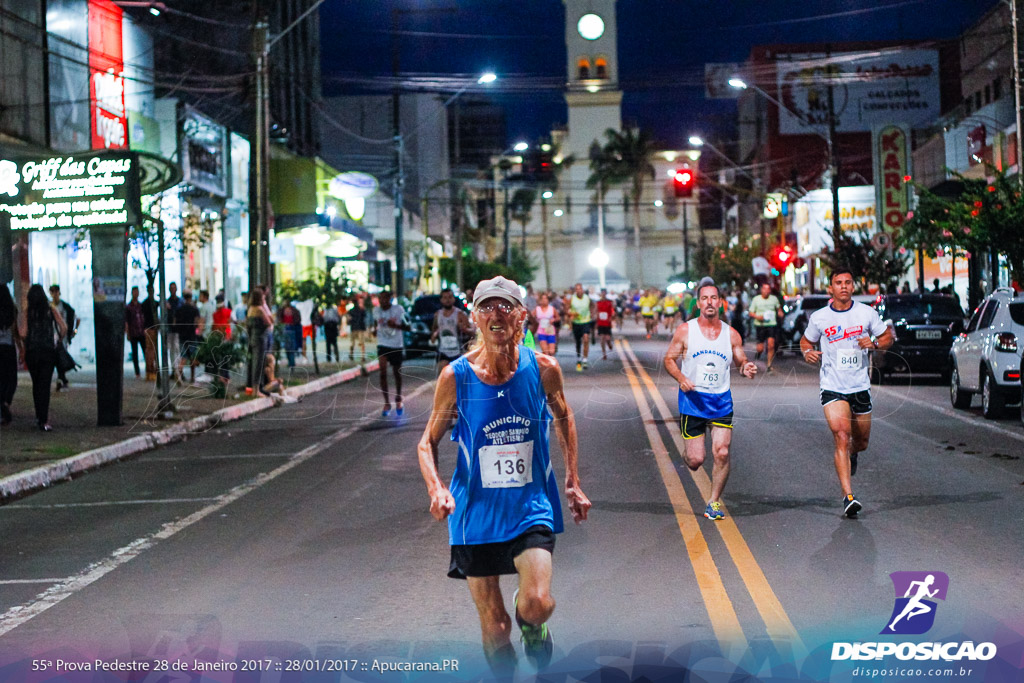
(626, 157)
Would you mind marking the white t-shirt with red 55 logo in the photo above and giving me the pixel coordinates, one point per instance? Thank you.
(844, 365)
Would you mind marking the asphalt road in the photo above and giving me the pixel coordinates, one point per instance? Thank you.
(301, 539)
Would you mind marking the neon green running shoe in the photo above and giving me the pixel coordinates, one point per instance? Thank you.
(538, 645)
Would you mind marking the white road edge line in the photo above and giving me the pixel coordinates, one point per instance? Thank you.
(949, 412)
(105, 503)
(20, 614)
(15, 582)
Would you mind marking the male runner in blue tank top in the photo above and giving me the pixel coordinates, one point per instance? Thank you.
(503, 506)
(707, 348)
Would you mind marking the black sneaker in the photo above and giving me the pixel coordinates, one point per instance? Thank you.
(853, 463)
(851, 506)
(538, 645)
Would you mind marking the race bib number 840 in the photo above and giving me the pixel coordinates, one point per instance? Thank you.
(850, 359)
(506, 466)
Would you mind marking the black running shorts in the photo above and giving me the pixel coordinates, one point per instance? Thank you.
(392, 355)
(860, 402)
(494, 559)
(581, 330)
(692, 426)
(764, 333)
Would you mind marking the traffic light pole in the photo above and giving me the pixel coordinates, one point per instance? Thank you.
(686, 240)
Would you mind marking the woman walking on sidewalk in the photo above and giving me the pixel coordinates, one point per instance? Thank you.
(11, 346)
(44, 327)
(259, 321)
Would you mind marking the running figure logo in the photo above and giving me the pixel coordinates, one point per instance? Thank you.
(914, 612)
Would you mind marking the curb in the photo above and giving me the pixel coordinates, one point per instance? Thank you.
(22, 483)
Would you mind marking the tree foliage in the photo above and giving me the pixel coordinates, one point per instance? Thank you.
(727, 265)
(869, 264)
(522, 269)
(986, 214)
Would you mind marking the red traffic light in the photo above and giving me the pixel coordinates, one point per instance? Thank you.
(682, 182)
(781, 257)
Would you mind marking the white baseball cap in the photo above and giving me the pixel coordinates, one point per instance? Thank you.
(500, 287)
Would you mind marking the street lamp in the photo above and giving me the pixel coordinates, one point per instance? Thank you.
(829, 139)
(521, 146)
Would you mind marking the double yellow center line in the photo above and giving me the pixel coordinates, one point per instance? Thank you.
(724, 622)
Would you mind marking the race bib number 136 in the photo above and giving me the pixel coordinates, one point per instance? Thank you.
(507, 466)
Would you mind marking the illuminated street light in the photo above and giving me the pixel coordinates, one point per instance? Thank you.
(738, 83)
(696, 141)
(521, 146)
(548, 194)
(558, 213)
(599, 258)
(488, 77)
(659, 203)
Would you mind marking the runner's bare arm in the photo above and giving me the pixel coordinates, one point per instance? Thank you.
(739, 356)
(565, 427)
(885, 340)
(441, 415)
(811, 354)
(676, 350)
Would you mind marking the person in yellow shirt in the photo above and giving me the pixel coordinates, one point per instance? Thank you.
(670, 311)
(648, 302)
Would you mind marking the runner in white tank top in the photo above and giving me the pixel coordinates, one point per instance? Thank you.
(450, 326)
(707, 349)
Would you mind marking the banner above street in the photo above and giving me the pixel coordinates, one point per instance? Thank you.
(70, 192)
(870, 89)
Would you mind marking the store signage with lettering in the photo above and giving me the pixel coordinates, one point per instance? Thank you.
(204, 153)
(106, 80)
(892, 171)
(70, 192)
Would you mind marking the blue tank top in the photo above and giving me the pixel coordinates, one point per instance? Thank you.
(503, 482)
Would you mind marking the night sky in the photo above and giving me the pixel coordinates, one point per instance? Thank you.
(663, 46)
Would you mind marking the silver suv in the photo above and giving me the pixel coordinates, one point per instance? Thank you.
(986, 358)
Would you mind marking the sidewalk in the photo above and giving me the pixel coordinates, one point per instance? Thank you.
(28, 453)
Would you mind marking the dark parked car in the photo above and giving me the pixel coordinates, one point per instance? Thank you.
(795, 322)
(925, 326)
(421, 319)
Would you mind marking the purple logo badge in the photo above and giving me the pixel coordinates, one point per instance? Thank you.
(916, 592)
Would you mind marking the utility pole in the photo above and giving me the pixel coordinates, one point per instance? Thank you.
(504, 211)
(686, 240)
(1016, 88)
(259, 191)
(833, 160)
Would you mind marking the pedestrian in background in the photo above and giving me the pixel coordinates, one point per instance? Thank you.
(149, 318)
(331, 321)
(259, 320)
(70, 321)
(135, 328)
(170, 311)
(44, 328)
(11, 346)
(222, 318)
(206, 310)
(187, 321)
(288, 316)
(357, 323)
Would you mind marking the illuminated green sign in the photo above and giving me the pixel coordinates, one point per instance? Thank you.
(70, 192)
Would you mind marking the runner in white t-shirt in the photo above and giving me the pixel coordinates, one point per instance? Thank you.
(847, 331)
